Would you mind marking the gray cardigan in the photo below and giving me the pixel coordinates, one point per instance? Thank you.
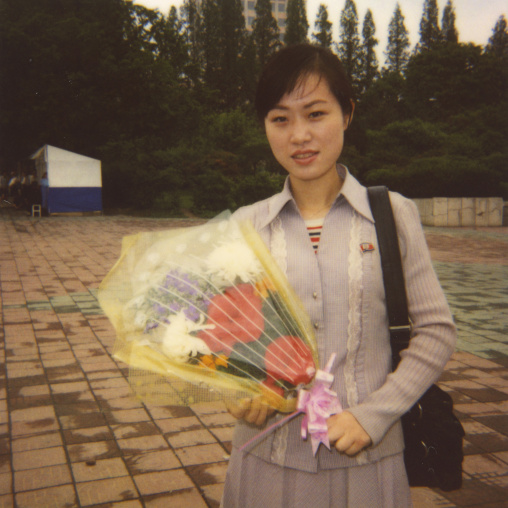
(341, 287)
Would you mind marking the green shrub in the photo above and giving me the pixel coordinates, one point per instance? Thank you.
(258, 186)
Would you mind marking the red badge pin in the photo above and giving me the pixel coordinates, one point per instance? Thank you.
(366, 247)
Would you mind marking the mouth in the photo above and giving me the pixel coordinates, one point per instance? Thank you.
(304, 156)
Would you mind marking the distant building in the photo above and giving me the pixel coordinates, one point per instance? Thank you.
(278, 12)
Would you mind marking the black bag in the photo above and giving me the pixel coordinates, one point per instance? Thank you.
(432, 433)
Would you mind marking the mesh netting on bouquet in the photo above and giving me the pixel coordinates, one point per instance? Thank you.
(204, 313)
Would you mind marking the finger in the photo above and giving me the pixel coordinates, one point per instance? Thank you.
(351, 446)
(263, 412)
(252, 414)
(258, 412)
(335, 432)
(238, 409)
(342, 444)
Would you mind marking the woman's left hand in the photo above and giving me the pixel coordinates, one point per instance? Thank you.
(346, 434)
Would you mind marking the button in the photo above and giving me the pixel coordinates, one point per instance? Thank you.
(314, 295)
(316, 325)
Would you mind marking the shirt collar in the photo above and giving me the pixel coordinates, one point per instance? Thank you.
(354, 193)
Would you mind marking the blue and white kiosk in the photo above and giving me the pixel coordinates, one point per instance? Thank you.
(70, 183)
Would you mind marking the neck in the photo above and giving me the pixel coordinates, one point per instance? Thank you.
(314, 198)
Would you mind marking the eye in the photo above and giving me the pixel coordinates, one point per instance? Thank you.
(316, 114)
(278, 119)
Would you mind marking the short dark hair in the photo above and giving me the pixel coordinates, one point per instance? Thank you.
(290, 65)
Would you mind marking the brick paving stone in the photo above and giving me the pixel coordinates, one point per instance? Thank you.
(5, 464)
(93, 450)
(134, 445)
(33, 459)
(49, 440)
(208, 474)
(213, 494)
(130, 430)
(162, 481)
(42, 477)
(105, 491)
(85, 435)
(133, 503)
(179, 499)
(223, 434)
(149, 461)
(98, 470)
(174, 425)
(84, 419)
(5, 484)
(160, 412)
(51, 497)
(191, 438)
(216, 420)
(201, 454)
(33, 427)
(121, 403)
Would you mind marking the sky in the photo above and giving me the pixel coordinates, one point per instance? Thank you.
(475, 19)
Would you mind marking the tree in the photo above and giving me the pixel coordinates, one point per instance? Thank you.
(451, 79)
(397, 50)
(448, 30)
(265, 32)
(297, 25)
(323, 35)
(170, 41)
(210, 41)
(349, 48)
(498, 42)
(191, 19)
(231, 44)
(67, 74)
(369, 61)
(430, 34)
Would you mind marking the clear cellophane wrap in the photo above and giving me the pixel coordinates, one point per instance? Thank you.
(204, 313)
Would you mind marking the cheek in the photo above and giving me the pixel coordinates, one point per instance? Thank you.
(276, 141)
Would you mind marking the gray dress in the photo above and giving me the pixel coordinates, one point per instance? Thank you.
(341, 288)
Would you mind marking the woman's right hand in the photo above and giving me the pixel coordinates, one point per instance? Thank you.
(254, 411)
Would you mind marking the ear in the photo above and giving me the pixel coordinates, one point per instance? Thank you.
(350, 118)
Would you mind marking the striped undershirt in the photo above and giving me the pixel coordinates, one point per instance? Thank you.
(314, 228)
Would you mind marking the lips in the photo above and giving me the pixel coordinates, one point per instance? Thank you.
(304, 157)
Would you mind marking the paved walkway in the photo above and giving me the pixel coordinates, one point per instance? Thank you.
(72, 436)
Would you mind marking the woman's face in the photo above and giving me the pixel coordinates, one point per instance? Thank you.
(306, 131)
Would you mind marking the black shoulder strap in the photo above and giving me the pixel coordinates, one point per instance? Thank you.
(393, 277)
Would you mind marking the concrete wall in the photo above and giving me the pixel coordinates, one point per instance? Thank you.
(450, 212)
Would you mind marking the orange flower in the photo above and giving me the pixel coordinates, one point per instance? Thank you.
(263, 286)
(213, 361)
(206, 362)
(221, 360)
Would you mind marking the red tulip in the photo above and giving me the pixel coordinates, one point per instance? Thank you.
(288, 358)
(237, 317)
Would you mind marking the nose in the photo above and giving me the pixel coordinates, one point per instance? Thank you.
(300, 132)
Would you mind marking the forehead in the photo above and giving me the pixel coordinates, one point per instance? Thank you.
(308, 88)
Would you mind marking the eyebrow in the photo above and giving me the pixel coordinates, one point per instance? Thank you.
(306, 106)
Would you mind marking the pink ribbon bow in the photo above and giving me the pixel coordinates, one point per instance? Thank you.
(318, 404)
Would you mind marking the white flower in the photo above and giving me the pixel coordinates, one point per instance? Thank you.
(140, 319)
(233, 259)
(177, 343)
(136, 302)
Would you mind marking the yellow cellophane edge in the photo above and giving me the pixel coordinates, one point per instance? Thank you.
(158, 379)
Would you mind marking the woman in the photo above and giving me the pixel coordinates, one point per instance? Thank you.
(305, 102)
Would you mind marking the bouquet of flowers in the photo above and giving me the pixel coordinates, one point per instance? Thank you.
(204, 313)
